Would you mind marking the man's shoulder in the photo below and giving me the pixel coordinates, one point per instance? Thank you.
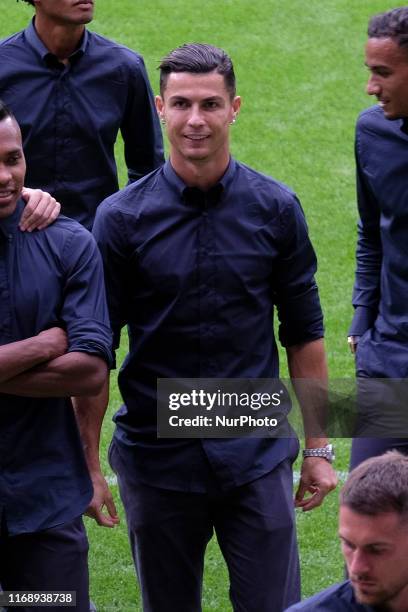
(65, 231)
(259, 181)
(100, 44)
(372, 120)
(337, 598)
(130, 199)
(12, 41)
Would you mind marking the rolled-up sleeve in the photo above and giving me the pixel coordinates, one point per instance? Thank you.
(295, 290)
(109, 232)
(84, 310)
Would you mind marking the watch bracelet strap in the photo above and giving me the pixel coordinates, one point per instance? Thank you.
(316, 452)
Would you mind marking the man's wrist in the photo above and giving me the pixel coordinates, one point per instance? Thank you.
(322, 452)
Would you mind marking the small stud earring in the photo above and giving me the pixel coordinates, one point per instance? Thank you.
(163, 120)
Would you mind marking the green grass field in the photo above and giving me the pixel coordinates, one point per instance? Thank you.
(301, 75)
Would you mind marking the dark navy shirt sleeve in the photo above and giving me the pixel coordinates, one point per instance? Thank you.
(140, 127)
(366, 292)
(110, 233)
(295, 290)
(84, 311)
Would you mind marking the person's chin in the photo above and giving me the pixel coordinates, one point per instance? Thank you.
(366, 595)
(7, 207)
(196, 154)
(391, 114)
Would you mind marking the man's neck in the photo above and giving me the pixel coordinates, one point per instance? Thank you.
(397, 604)
(202, 174)
(61, 40)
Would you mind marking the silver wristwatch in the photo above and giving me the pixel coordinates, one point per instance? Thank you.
(325, 452)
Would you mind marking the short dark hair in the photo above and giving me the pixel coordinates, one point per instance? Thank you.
(28, 2)
(5, 112)
(199, 59)
(378, 485)
(391, 24)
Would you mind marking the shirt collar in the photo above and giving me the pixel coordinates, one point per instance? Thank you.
(9, 225)
(404, 126)
(37, 44)
(179, 185)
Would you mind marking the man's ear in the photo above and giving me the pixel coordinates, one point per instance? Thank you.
(160, 107)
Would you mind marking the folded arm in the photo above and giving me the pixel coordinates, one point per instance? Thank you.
(17, 357)
(73, 373)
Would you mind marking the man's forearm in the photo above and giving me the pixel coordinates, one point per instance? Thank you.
(90, 412)
(308, 371)
(17, 357)
(71, 374)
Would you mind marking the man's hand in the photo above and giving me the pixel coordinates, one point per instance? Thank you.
(353, 341)
(40, 211)
(102, 497)
(55, 342)
(318, 478)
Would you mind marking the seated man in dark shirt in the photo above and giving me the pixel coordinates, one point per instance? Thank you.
(55, 342)
(374, 536)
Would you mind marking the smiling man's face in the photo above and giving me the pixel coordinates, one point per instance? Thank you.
(12, 166)
(197, 110)
(388, 66)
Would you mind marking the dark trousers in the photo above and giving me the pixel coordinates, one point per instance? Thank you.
(382, 416)
(51, 560)
(364, 448)
(255, 527)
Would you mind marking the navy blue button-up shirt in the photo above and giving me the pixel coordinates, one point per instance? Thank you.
(70, 117)
(47, 277)
(338, 598)
(196, 278)
(381, 284)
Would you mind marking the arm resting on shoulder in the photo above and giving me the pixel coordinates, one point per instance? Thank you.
(41, 210)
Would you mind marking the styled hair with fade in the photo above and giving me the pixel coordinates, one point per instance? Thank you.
(378, 485)
(391, 24)
(5, 112)
(198, 58)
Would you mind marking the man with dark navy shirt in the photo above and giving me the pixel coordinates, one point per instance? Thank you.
(55, 342)
(373, 528)
(71, 91)
(379, 331)
(196, 256)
